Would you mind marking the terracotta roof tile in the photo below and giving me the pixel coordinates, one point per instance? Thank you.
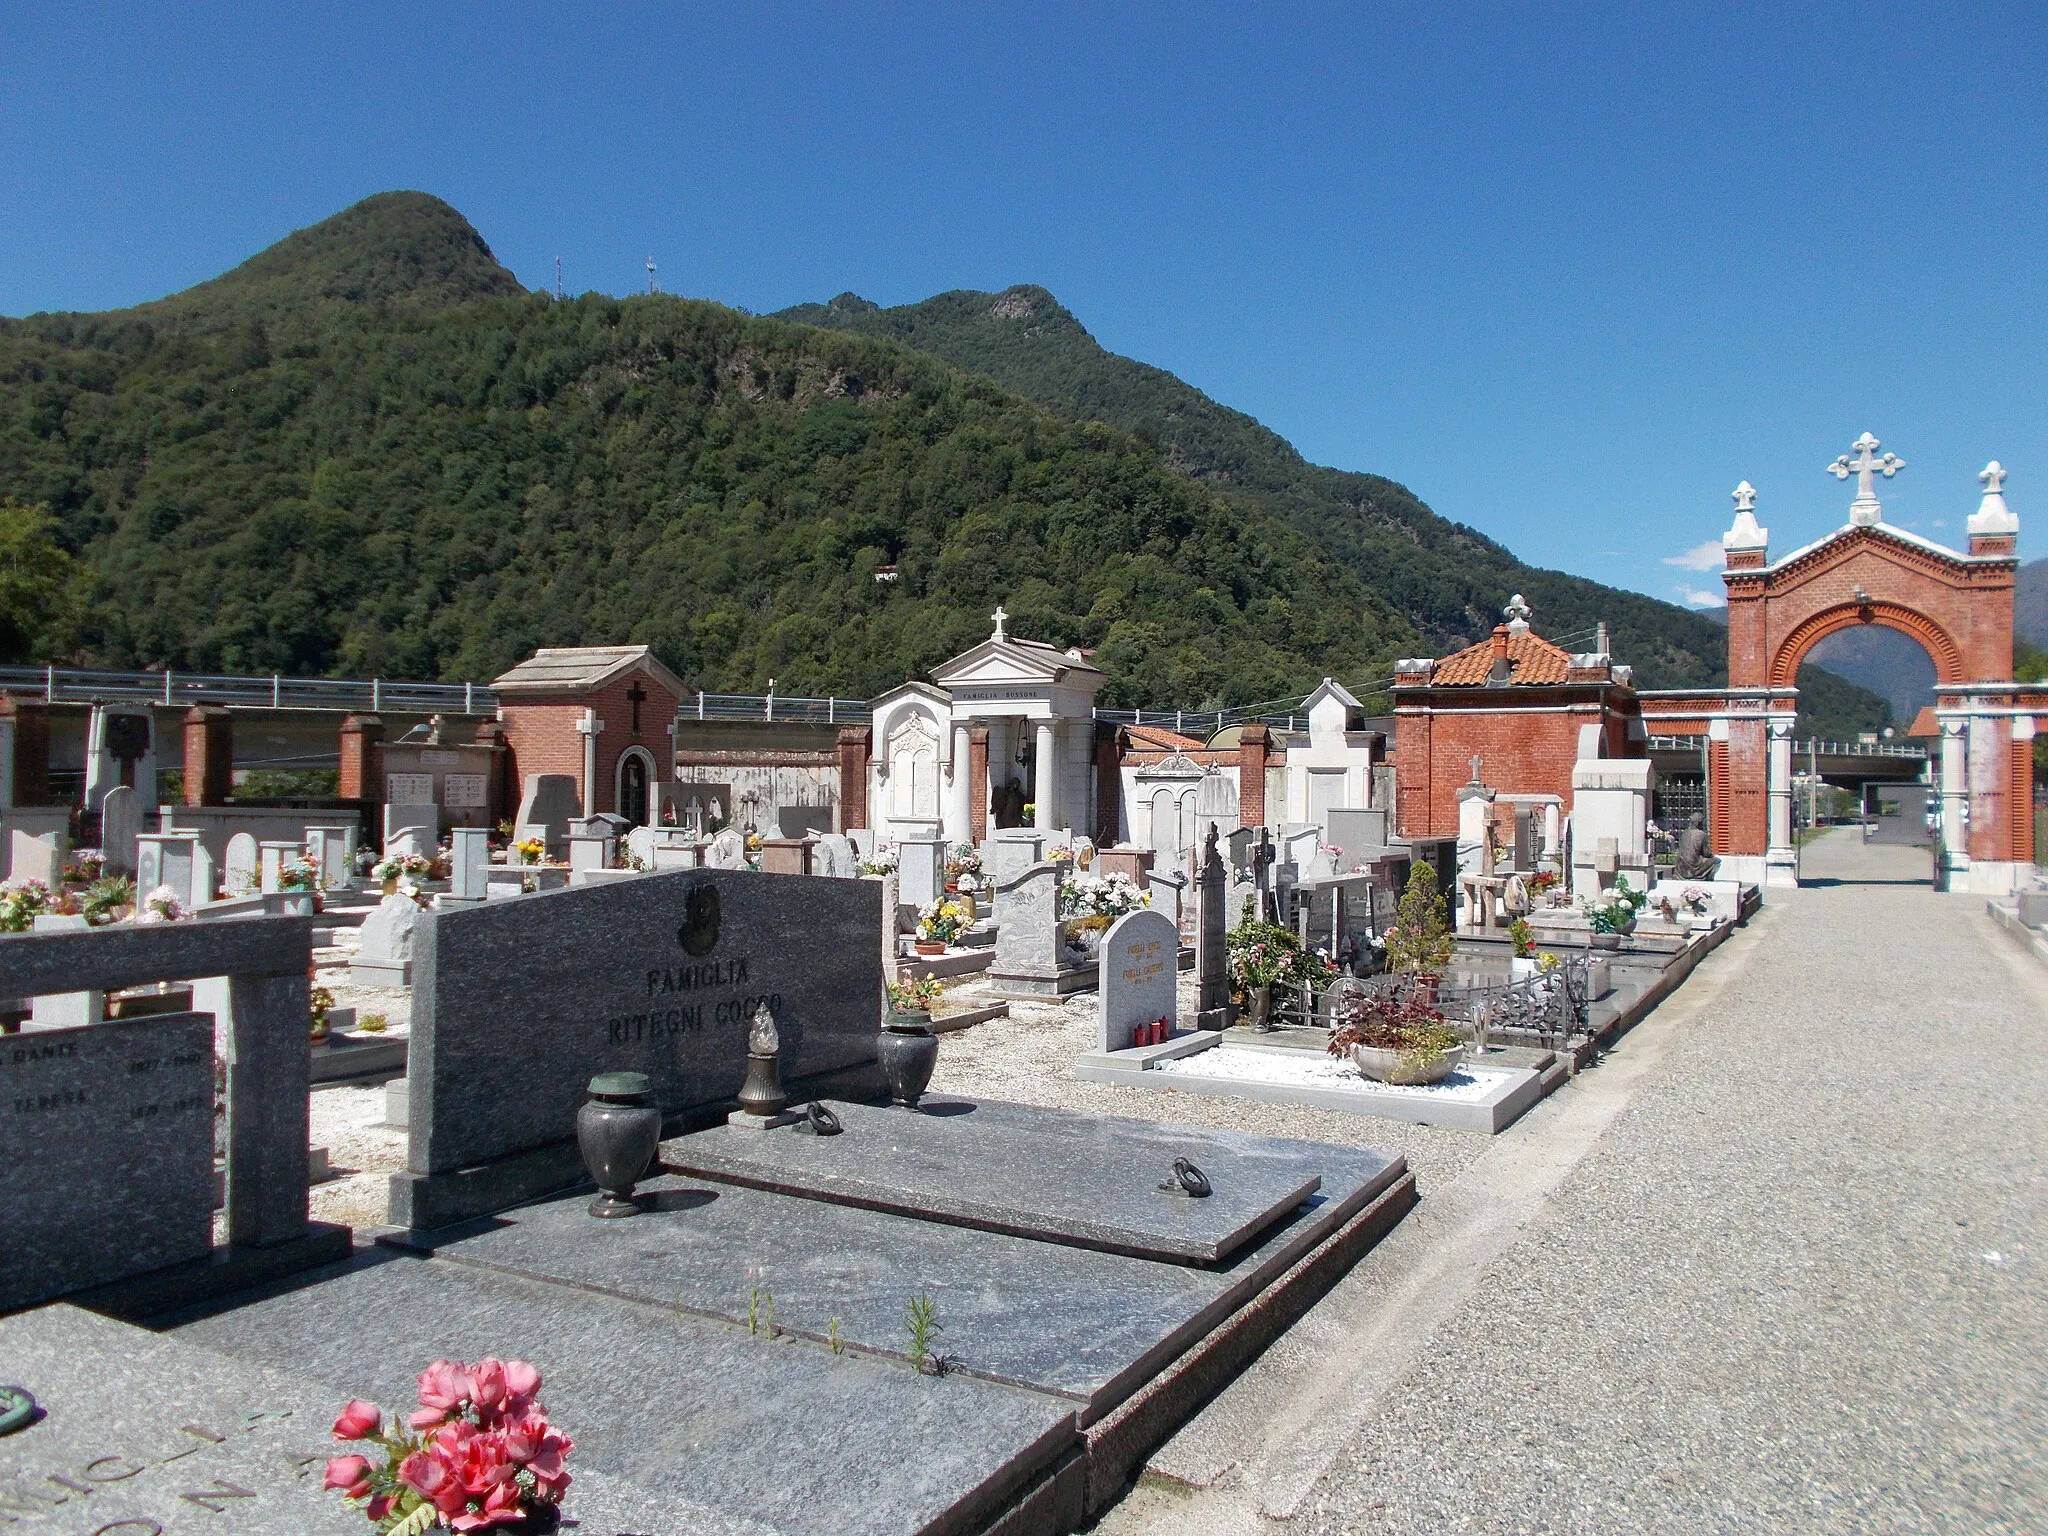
(1531, 659)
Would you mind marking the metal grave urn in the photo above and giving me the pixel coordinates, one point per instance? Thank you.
(618, 1129)
(907, 1051)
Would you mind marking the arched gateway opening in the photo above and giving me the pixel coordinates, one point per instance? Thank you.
(1957, 605)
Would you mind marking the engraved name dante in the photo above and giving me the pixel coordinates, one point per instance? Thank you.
(25, 1494)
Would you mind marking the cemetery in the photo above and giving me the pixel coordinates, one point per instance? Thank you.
(899, 1125)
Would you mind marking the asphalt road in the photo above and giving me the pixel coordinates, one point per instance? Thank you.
(1776, 1265)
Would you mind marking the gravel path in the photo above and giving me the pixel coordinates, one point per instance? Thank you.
(1785, 1274)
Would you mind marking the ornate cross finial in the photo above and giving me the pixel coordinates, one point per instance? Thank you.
(1993, 516)
(1866, 465)
(1745, 497)
(1517, 613)
(1000, 617)
(1476, 761)
(1745, 535)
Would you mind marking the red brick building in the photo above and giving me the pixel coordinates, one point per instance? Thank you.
(603, 714)
(1515, 701)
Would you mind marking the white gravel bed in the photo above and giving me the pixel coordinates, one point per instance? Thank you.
(1222, 1064)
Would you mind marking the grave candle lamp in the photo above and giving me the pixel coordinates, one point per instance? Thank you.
(761, 1094)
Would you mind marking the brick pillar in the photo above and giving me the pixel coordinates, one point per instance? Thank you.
(1749, 777)
(855, 744)
(31, 776)
(977, 782)
(1720, 817)
(1254, 742)
(1109, 786)
(209, 756)
(1991, 809)
(2020, 800)
(362, 758)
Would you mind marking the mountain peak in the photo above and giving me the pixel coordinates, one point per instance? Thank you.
(403, 251)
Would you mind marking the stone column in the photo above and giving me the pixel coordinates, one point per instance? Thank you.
(588, 727)
(977, 783)
(1781, 858)
(1212, 891)
(1045, 795)
(959, 819)
(1955, 789)
(209, 756)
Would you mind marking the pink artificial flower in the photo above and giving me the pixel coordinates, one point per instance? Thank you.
(540, 1448)
(429, 1476)
(522, 1381)
(351, 1474)
(359, 1421)
(444, 1387)
(487, 1389)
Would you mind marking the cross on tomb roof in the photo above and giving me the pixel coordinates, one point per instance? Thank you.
(1866, 465)
(636, 695)
(999, 616)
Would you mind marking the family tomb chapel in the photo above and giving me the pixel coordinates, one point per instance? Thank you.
(1004, 735)
(602, 714)
(1517, 707)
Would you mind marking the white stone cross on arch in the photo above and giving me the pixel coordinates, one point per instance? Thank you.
(1000, 617)
(1866, 465)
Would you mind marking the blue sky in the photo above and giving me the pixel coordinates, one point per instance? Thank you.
(1567, 273)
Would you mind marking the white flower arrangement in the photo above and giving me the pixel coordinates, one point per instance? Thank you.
(161, 906)
(1102, 896)
(885, 860)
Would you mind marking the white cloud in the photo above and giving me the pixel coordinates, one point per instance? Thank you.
(1701, 557)
(1941, 522)
(1697, 597)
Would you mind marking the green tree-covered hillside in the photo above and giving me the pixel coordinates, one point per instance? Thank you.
(366, 450)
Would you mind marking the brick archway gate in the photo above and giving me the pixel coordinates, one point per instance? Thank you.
(1957, 605)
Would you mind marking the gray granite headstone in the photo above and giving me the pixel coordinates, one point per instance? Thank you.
(169, 859)
(1212, 921)
(1359, 833)
(107, 1131)
(1168, 889)
(834, 857)
(920, 870)
(469, 862)
(120, 825)
(1016, 849)
(588, 851)
(803, 820)
(728, 850)
(659, 974)
(329, 847)
(272, 858)
(547, 806)
(241, 874)
(412, 829)
(1028, 938)
(1140, 969)
(385, 952)
(65, 1010)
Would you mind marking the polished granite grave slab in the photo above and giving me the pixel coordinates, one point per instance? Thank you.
(1077, 1322)
(1088, 1180)
(146, 1434)
(681, 1411)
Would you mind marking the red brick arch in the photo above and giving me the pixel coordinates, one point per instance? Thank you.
(1935, 640)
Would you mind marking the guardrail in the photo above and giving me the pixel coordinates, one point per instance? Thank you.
(773, 707)
(173, 690)
(1811, 748)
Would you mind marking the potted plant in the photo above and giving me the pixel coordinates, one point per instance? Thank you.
(300, 880)
(908, 1050)
(1259, 956)
(1421, 939)
(21, 902)
(963, 867)
(940, 923)
(1402, 1041)
(530, 850)
(400, 866)
(1523, 964)
(1611, 920)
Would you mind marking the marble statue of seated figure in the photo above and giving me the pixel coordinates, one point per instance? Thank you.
(1695, 861)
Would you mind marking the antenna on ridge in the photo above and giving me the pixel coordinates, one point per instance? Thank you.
(652, 286)
(558, 277)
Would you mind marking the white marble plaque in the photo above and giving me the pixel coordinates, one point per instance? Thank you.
(408, 789)
(463, 791)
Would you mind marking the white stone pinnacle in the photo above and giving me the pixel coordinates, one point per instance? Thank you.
(1993, 516)
(1517, 614)
(1866, 466)
(1745, 535)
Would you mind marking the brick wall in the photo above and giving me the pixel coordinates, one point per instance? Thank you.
(1530, 751)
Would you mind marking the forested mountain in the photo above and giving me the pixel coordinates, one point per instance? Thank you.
(366, 450)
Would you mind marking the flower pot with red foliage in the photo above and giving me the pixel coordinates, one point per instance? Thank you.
(930, 947)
